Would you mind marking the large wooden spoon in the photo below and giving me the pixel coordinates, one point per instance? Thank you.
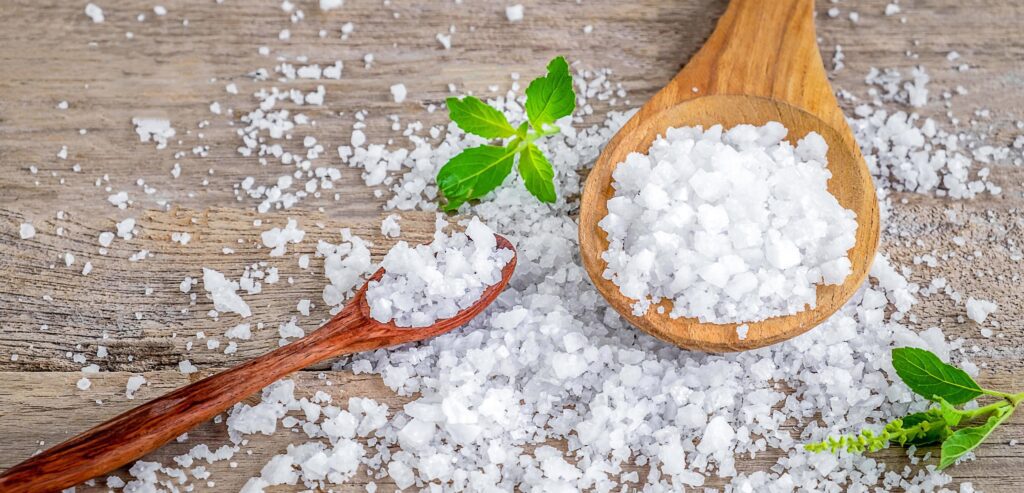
(761, 64)
(134, 433)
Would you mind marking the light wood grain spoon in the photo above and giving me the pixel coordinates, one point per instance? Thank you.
(134, 433)
(761, 64)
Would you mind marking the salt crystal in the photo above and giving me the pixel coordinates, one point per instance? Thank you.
(326, 5)
(398, 92)
(240, 331)
(26, 231)
(186, 367)
(222, 292)
(514, 13)
(158, 130)
(94, 12)
(135, 382)
(979, 310)
(389, 226)
(276, 239)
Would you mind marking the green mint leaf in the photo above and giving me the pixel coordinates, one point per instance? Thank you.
(550, 97)
(477, 117)
(932, 379)
(474, 172)
(937, 428)
(537, 173)
(966, 439)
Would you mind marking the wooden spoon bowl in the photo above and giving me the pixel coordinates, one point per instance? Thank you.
(761, 64)
(138, 431)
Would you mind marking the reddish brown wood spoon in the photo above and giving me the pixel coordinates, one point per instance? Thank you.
(145, 428)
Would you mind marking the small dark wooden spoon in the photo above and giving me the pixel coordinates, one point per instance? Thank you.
(139, 431)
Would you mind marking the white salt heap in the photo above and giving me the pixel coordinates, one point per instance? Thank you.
(731, 227)
(432, 282)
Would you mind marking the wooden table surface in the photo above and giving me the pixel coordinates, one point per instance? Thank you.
(51, 52)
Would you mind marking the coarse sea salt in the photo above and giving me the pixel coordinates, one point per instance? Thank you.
(153, 129)
(514, 13)
(26, 231)
(221, 291)
(550, 363)
(979, 310)
(427, 283)
(94, 12)
(730, 226)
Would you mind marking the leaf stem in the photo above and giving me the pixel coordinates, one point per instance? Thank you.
(985, 409)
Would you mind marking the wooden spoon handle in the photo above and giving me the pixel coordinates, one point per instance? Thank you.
(765, 48)
(138, 431)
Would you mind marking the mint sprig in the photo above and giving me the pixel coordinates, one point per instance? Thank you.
(477, 171)
(958, 430)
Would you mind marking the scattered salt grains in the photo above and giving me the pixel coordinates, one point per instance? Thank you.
(83, 384)
(549, 361)
(745, 227)
(427, 283)
(277, 238)
(979, 310)
(158, 130)
(125, 230)
(345, 264)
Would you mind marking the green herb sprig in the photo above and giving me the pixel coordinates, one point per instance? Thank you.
(948, 387)
(476, 171)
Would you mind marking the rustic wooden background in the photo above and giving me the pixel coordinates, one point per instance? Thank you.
(50, 51)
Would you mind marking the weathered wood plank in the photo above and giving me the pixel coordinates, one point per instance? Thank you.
(169, 69)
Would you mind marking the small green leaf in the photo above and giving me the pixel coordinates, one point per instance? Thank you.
(966, 439)
(537, 173)
(477, 117)
(932, 379)
(523, 130)
(938, 429)
(950, 414)
(474, 172)
(550, 97)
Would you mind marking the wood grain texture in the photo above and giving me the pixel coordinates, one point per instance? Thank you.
(132, 434)
(761, 64)
(47, 57)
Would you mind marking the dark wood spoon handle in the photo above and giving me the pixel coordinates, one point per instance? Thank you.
(138, 431)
